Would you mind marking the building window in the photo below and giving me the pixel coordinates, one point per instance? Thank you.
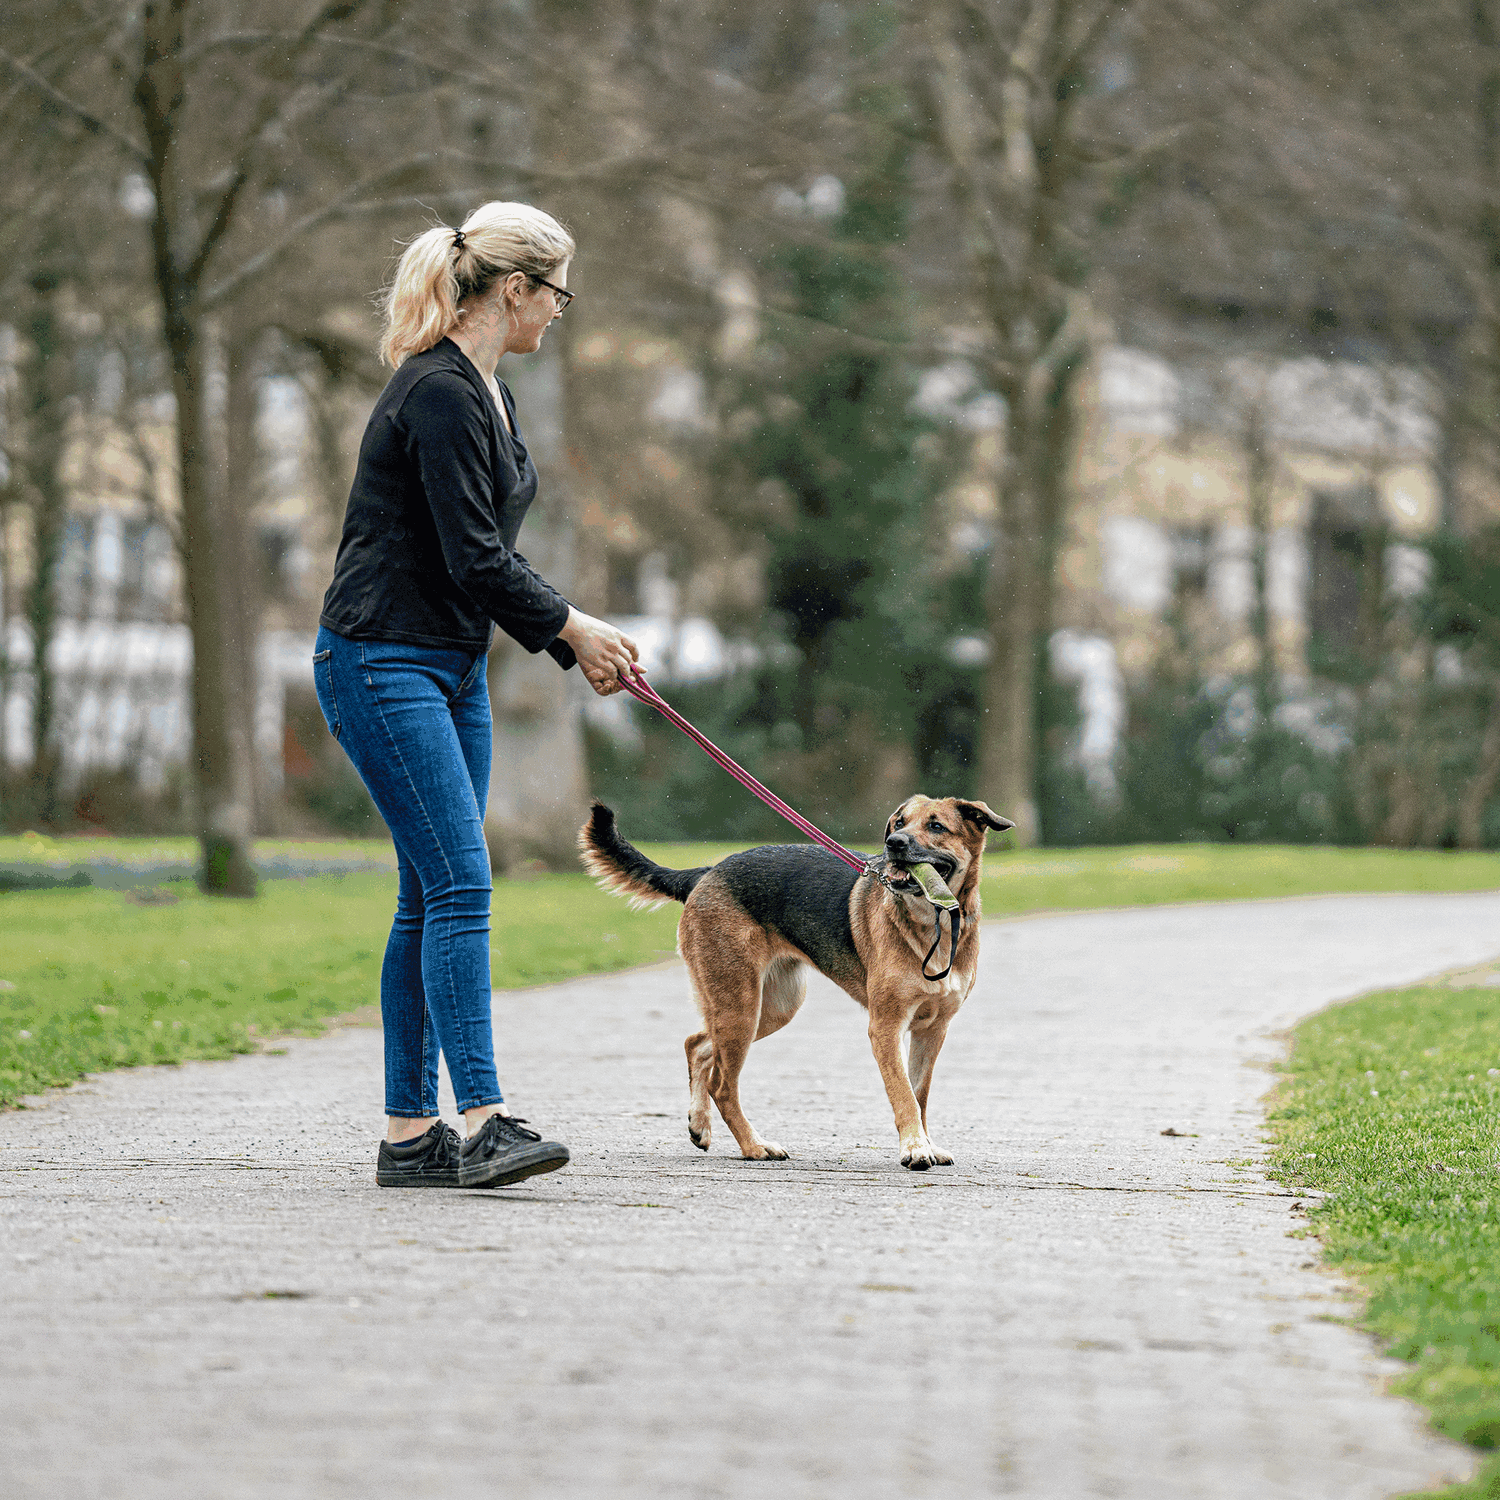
(1191, 546)
(1346, 545)
(147, 571)
(75, 568)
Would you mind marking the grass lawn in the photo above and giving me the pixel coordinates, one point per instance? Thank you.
(93, 979)
(37, 849)
(1157, 874)
(1391, 1106)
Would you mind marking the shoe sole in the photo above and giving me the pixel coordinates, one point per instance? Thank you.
(413, 1180)
(515, 1166)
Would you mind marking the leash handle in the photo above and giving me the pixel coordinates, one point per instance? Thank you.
(954, 928)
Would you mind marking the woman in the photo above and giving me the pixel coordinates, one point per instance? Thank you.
(427, 561)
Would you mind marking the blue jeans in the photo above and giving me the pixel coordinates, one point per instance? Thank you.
(415, 720)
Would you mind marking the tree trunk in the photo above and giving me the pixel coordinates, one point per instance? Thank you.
(1481, 788)
(539, 783)
(1260, 476)
(7, 588)
(1005, 145)
(238, 492)
(224, 803)
(1014, 604)
(47, 429)
(220, 776)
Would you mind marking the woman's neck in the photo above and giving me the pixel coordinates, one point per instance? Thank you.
(483, 339)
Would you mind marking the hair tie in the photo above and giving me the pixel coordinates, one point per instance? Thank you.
(458, 241)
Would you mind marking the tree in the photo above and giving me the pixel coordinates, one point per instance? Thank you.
(45, 413)
(641, 116)
(50, 200)
(230, 195)
(1006, 99)
(847, 467)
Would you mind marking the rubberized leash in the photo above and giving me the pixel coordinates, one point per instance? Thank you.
(635, 684)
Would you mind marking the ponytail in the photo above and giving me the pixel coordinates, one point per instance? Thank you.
(443, 266)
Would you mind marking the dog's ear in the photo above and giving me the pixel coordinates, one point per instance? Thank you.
(978, 812)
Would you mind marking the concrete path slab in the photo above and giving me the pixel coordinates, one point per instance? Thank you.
(196, 1300)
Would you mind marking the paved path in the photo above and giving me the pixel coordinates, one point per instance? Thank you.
(1081, 1307)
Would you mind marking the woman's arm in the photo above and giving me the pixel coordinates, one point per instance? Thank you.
(446, 433)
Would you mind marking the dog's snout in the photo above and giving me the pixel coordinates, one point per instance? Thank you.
(898, 841)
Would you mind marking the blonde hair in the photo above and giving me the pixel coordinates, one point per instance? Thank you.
(440, 268)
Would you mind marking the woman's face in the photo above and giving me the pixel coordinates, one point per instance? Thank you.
(532, 308)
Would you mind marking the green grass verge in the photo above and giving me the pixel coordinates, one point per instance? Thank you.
(1391, 1106)
(1156, 874)
(90, 979)
(43, 852)
(97, 980)
(1160, 874)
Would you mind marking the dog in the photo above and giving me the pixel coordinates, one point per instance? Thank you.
(752, 923)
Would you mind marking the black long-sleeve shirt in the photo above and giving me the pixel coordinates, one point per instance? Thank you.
(428, 551)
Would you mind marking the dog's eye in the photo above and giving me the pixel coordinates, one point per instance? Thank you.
(900, 822)
(934, 826)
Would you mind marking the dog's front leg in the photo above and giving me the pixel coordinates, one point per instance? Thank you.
(889, 1020)
(926, 1043)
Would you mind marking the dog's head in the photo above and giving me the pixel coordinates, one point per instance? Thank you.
(947, 833)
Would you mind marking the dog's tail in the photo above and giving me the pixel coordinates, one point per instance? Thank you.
(623, 870)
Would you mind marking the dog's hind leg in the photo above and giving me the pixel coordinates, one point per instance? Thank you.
(725, 952)
(926, 1043)
(732, 1042)
(783, 989)
(728, 982)
(700, 1055)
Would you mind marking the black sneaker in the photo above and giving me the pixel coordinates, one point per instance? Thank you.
(431, 1160)
(501, 1151)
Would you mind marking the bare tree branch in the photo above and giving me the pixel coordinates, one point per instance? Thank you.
(959, 139)
(90, 121)
(1070, 340)
(336, 207)
(271, 114)
(1079, 47)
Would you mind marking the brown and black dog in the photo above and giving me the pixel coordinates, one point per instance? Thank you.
(753, 921)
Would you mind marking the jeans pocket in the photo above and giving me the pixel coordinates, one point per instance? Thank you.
(323, 683)
(475, 671)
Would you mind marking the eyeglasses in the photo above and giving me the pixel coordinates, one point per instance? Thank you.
(561, 297)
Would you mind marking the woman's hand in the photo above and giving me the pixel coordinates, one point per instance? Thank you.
(603, 652)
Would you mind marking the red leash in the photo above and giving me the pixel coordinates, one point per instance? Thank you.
(636, 685)
(639, 688)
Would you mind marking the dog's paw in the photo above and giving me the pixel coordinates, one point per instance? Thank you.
(701, 1138)
(920, 1158)
(765, 1151)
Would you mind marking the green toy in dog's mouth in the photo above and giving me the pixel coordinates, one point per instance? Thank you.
(933, 886)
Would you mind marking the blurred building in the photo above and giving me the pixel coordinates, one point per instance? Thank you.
(1163, 525)
(1187, 450)
(1174, 436)
(120, 652)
